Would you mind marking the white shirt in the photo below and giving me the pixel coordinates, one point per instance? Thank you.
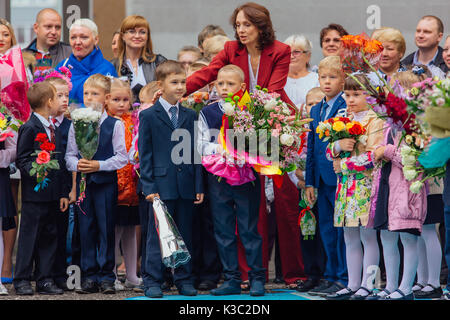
(296, 89)
(59, 120)
(46, 125)
(253, 78)
(166, 105)
(116, 162)
(138, 78)
(204, 145)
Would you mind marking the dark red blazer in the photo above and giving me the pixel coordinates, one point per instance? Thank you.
(273, 67)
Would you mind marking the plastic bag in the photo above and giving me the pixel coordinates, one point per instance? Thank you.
(173, 249)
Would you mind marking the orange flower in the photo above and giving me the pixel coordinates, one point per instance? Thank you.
(327, 133)
(373, 46)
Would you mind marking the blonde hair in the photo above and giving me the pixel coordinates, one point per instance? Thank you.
(235, 69)
(213, 45)
(87, 23)
(148, 91)
(118, 84)
(57, 81)
(391, 35)
(408, 78)
(314, 91)
(4, 22)
(299, 40)
(332, 63)
(98, 81)
(197, 65)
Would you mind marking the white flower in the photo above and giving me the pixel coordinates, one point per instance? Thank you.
(286, 139)
(286, 110)
(409, 160)
(410, 173)
(416, 186)
(228, 108)
(406, 151)
(270, 105)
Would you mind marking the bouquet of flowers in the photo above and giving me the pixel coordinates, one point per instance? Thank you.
(338, 128)
(14, 84)
(62, 72)
(44, 162)
(307, 220)
(7, 125)
(86, 123)
(195, 101)
(356, 48)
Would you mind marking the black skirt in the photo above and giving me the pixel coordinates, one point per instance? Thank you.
(127, 216)
(7, 207)
(435, 209)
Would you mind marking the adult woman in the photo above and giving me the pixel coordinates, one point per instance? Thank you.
(115, 44)
(394, 47)
(86, 58)
(300, 80)
(136, 59)
(330, 40)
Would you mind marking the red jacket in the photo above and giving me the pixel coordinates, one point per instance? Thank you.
(273, 67)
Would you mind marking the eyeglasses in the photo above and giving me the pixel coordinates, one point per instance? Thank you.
(296, 53)
(133, 32)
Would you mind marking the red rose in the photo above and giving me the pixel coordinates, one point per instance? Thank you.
(356, 129)
(43, 157)
(41, 137)
(47, 146)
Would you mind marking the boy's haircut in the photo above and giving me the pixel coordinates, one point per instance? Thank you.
(391, 35)
(189, 49)
(57, 81)
(351, 84)
(314, 91)
(148, 91)
(213, 45)
(209, 31)
(409, 77)
(332, 63)
(169, 67)
(197, 65)
(235, 69)
(98, 81)
(39, 93)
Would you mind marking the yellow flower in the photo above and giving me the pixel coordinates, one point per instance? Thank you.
(414, 91)
(348, 126)
(3, 123)
(338, 126)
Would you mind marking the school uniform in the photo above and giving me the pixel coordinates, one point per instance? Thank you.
(231, 205)
(320, 175)
(97, 218)
(38, 232)
(176, 184)
(7, 155)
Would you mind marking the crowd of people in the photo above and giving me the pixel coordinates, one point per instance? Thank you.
(230, 231)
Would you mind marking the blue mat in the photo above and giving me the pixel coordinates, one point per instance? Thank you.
(276, 294)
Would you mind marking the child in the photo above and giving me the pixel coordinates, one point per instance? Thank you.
(97, 221)
(147, 94)
(62, 126)
(320, 175)
(127, 214)
(178, 185)
(312, 249)
(231, 204)
(397, 212)
(38, 231)
(352, 204)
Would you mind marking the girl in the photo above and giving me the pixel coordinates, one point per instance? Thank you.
(353, 192)
(127, 214)
(397, 212)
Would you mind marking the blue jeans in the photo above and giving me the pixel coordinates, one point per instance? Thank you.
(447, 241)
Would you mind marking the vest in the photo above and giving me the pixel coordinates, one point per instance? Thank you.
(213, 116)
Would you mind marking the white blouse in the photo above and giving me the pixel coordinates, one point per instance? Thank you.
(253, 78)
(296, 89)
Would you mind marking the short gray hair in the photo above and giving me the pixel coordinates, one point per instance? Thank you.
(300, 41)
(88, 23)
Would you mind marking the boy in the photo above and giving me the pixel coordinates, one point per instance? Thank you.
(37, 238)
(178, 185)
(320, 175)
(231, 204)
(97, 222)
(62, 126)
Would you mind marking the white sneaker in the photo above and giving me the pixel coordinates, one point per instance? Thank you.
(3, 290)
(118, 286)
(132, 285)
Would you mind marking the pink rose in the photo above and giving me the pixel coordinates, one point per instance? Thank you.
(43, 157)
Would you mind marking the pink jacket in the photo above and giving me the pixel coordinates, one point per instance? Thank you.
(406, 210)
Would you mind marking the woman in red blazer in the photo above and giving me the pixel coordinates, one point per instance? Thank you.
(257, 53)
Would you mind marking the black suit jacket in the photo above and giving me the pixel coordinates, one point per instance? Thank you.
(26, 145)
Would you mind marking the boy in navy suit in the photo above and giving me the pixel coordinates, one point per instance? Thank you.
(232, 204)
(320, 175)
(163, 175)
(37, 237)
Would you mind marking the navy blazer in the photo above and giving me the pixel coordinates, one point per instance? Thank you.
(159, 174)
(317, 164)
(26, 145)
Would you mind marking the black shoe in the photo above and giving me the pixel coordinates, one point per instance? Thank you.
(361, 297)
(340, 296)
(49, 288)
(402, 296)
(187, 290)
(207, 285)
(107, 287)
(166, 286)
(323, 284)
(307, 285)
(62, 285)
(336, 286)
(278, 280)
(23, 288)
(433, 294)
(377, 296)
(88, 286)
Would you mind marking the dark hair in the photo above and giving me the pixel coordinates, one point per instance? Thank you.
(352, 84)
(209, 31)
(332, 26)
(39, 93)
(260, 17)
(168, 67)
(439, 23)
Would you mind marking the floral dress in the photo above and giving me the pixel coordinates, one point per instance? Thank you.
(352, 202)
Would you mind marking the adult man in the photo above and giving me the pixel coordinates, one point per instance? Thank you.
(47, 47)
(429, 32)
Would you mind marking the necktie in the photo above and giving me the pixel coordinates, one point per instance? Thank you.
(173, 118)
(52, 133)
(325, 107)
(54, 121)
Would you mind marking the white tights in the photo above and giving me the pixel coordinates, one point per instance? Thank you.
(128, 236)
(430, 258)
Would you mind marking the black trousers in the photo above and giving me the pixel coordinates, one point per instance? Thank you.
(37, 241)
